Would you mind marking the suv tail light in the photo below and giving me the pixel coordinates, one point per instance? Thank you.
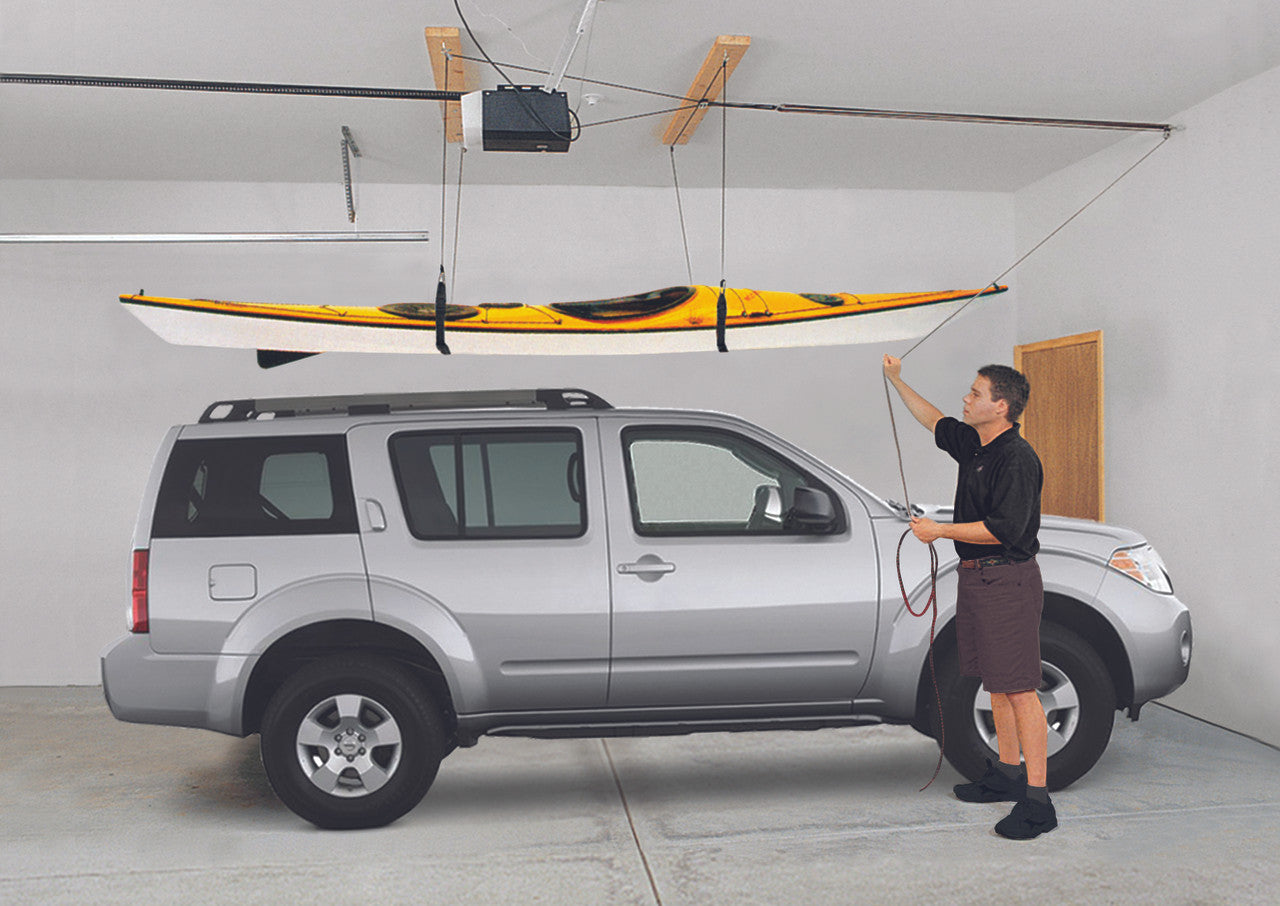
(138, 617)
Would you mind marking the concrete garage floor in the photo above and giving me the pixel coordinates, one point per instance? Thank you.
(97, 811)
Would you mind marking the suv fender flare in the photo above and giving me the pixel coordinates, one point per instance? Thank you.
(428, 622)
(317, 600)
(1071, 583)
(1071, 614)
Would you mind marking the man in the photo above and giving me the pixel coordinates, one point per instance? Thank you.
(1000, 597)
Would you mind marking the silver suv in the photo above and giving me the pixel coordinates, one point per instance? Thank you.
(371, 581)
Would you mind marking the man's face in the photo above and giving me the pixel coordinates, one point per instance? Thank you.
(979, 408)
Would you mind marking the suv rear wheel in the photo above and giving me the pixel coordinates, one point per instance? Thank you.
(1077, 694)
(351, 741)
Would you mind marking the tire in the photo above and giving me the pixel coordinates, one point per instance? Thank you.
(1079, 699)
(351, 741)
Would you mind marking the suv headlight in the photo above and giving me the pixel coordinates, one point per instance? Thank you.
(1141, 562)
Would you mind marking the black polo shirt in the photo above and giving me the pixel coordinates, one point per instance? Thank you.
(999, 485)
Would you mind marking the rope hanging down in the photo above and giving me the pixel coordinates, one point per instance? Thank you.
(442, 295)
(684, 236)
(723, 79)
(457, 219)
(932, 603)
(721, 307)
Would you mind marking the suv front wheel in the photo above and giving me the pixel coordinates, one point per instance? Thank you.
(351, 741)
(1077, 694)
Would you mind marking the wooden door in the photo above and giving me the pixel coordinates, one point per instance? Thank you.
(1064, 421)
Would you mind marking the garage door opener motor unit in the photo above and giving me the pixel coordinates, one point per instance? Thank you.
(516, 118)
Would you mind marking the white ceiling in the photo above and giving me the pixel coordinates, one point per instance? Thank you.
(1102, 59)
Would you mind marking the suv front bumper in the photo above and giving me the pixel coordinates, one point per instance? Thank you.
(1156, 632)
(182, 690)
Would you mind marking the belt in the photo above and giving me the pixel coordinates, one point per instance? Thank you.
(985, 561)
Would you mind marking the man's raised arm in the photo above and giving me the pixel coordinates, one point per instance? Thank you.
(925, 412)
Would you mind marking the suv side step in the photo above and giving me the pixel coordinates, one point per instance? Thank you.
(679, 727)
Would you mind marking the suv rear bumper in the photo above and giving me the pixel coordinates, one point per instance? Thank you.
(181, 690)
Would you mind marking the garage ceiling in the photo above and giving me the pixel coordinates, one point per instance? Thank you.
(1138, 60)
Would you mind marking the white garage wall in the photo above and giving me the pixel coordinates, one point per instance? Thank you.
(88, 392)
(1180, 266)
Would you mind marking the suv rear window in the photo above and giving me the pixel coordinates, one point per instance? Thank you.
(491, 484)
(256, 486)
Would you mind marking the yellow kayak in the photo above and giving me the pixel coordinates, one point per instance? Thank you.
(675, 319)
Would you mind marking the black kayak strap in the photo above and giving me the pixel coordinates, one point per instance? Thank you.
(721, 309)
(441, 304)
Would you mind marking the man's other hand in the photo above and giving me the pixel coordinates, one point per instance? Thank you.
(892, 367)
(926, 530)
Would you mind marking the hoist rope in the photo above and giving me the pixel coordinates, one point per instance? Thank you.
(442, 292)
(444, 176)
(722, 77)
(721, 306)
(637, 116)
(674, 177)
(724, 165)
(932, 603)
(684, 235)
(929, 605)
(1037, 246)
(457, 218)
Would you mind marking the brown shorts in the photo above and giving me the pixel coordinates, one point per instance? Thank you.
(998, 625)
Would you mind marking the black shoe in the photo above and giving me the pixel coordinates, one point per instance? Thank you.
(1028, 820)
(993, 786)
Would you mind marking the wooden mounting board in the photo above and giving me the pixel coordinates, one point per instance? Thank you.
(449, 75)
(727, 51)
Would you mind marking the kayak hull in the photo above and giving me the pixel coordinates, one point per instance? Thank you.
(682, 320)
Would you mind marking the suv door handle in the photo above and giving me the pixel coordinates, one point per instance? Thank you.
(377, 518)
(650, 567)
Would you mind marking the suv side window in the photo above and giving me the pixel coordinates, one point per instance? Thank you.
(491, 484)
(256, 486)
(705, 481)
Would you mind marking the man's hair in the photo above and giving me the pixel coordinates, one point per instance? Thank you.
(1010, 385)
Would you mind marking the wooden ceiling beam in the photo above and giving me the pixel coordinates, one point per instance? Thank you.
(445, 47)
(707, 86)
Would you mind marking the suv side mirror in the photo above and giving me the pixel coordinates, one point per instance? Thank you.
(812, 510)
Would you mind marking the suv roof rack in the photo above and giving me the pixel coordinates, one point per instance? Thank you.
(383, 403)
